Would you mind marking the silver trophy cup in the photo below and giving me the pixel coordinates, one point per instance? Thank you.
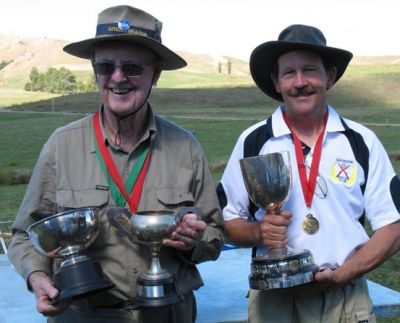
(66, 235)
(156, 287)
(268, 182)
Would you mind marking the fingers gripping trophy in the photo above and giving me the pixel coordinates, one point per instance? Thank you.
(268, 181)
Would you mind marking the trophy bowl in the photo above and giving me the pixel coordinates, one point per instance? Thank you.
(152, 227)
(66, 235)
(157, 286)
(268, 181)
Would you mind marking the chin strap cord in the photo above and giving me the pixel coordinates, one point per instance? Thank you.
(117, 137)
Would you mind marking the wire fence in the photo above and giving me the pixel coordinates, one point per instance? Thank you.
(5, 226)
(5, 235)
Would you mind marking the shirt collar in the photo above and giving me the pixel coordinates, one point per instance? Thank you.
(149, 132)
(280, 128)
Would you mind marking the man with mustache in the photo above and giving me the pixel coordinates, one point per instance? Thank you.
(124, 156)
(341, 175)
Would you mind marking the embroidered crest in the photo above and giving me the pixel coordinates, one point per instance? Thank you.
(344, 171)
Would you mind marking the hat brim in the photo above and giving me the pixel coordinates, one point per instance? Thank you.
(84, 49)
(264, 57)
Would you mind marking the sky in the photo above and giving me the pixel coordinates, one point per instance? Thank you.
(219, 27)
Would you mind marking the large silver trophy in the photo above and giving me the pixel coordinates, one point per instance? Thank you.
(156, 287)
(268, 182)
(66, 235)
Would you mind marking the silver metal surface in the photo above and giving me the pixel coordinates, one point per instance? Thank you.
(268, 182)
(296, 269)
(157, 286)
(267, 178)
(66, 233)
(151, 291)
(152, 227)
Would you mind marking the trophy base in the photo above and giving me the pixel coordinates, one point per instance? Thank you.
(80, 279)
(270, 272)
(156, 291)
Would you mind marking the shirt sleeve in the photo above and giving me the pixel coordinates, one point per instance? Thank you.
(205, 198)
(233, 187)
(383, 188)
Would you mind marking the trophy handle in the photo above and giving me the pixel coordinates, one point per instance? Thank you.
(112, 215)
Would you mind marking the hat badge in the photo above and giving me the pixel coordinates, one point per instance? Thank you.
(124, 25)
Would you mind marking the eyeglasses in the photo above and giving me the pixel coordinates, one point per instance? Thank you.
(129, 69)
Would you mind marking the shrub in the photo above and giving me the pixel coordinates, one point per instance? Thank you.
(15, 177)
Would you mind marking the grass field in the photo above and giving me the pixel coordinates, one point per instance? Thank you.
(215, 114)
(9, 97)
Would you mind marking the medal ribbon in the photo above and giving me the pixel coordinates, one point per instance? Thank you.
(308, 187)
(135, 180)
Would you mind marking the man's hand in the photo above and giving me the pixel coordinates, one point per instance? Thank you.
(45, 292)
(273, 229)
(189, 231)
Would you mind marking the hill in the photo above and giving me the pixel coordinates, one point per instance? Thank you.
(42, 53)
(374, 79)
(25, 53)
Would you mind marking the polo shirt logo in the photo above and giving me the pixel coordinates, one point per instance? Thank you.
(344, 171)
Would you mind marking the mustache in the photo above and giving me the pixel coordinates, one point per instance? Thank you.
(301, 92)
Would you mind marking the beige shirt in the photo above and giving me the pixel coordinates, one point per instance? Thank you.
(68, 175)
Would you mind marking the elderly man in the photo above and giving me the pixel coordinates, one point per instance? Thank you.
(341, 172)
(84, 163)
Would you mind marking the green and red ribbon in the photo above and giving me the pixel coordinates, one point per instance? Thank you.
(135, 180)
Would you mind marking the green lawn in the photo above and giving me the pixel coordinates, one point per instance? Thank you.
(9, 97)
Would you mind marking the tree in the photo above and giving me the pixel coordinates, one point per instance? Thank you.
(66, 81)
(91, 86)
(54, 80)
(4, 63)
(35, 83)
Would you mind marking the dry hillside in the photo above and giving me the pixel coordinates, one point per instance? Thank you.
(375, 60)
(43, 53)
(39, 52)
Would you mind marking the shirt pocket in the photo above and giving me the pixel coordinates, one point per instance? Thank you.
(68, 199)
(168, 199)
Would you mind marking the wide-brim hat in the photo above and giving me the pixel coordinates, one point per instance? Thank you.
(295, 37)
(128, 24)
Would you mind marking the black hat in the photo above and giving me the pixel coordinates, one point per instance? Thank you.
(130, 25)
(264, 57)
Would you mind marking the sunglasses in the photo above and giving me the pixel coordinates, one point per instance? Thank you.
(128, 69)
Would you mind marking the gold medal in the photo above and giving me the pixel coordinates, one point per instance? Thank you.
(310, 224)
